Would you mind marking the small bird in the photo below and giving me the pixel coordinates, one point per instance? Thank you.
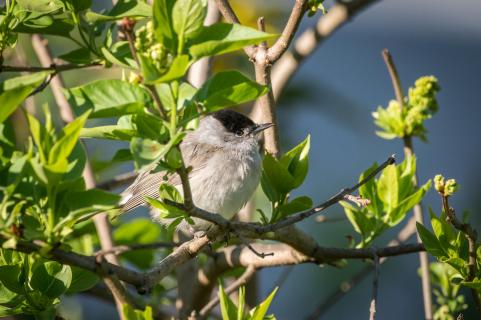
(225, 158)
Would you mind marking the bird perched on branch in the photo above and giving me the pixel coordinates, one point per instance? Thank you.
(225, 161)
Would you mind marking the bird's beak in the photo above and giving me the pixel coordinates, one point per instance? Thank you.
(261, 127)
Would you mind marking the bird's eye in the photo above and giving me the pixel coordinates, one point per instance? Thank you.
(239, 133)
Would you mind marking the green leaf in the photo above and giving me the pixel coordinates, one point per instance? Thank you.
(122, 9)
(387, 187)
(177, 70)
(129, 313)
(65, 145)
(188, 18)
(82, 280)
(163, 24)
(15, 90)
(398, 213)
(297, 162)
(145, 151)
(9, 277)
(42, 6)
(241, 303)
(361, 223)
(369, 191)
(295, 205)
(51, 278)
(222, 38)
(113, 132)
(276, 175)
(227, 307)
(226, 89)
(260, 311)
(120, 54)
(78, 56)
(165, 210)
(108, 98)
(430, 242)
(138, 231)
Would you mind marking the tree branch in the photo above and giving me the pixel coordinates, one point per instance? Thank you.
(230, 16)
(53, 67)
(310, 39)
(375, 281)
(281, 44)
(407, 232)
(417, 209)
(253, 230)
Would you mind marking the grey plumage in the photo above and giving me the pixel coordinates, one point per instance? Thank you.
(224, 155)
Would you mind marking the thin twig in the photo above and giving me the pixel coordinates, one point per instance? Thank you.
(407, 232)
(310, 39)
(53, 67)
(230, 16)
(281, 44)
(375, 281)
(261, 229)
(417, 209)
(242, 280)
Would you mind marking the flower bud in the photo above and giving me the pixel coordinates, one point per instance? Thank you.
(450, 187)
(439, 183)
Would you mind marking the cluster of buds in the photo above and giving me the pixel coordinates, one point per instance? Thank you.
(147, 46)
(445, 188)
(408, 120)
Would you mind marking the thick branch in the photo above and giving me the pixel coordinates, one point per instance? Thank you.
(281, 44)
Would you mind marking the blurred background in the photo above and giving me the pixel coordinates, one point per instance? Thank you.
(332, 97)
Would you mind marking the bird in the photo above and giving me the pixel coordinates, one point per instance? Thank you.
(224, 160)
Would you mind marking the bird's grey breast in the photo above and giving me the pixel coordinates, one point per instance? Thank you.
(227, 180)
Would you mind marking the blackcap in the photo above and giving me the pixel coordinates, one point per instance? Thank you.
(226, 164)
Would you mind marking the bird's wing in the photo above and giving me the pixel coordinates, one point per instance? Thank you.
(147, 183)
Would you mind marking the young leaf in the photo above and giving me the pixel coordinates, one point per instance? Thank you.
(222, 38)
(430, 242)
(296, 205)
(399, 212)
(129, 313)
(165, 211)
(188, 18)
(9, 277)
(260, 311)
(108, 98)
(82, 280)
(226, 89)
(297, 162)
(113, 132)
(139, 230)
(163, 24)
(65, 145)
(13, 91)
(387, 187)
(122, 9)
(276, 175)
(227, 307)
(79, 56)
(51, 278)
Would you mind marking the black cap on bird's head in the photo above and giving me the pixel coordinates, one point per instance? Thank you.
(238, 123)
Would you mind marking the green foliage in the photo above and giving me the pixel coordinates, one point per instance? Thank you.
(230, 311)
(281, 176)
(450, 247)
(129, 313)
(449, 303)
(314, 6)
(398, 121)
(391, 197)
